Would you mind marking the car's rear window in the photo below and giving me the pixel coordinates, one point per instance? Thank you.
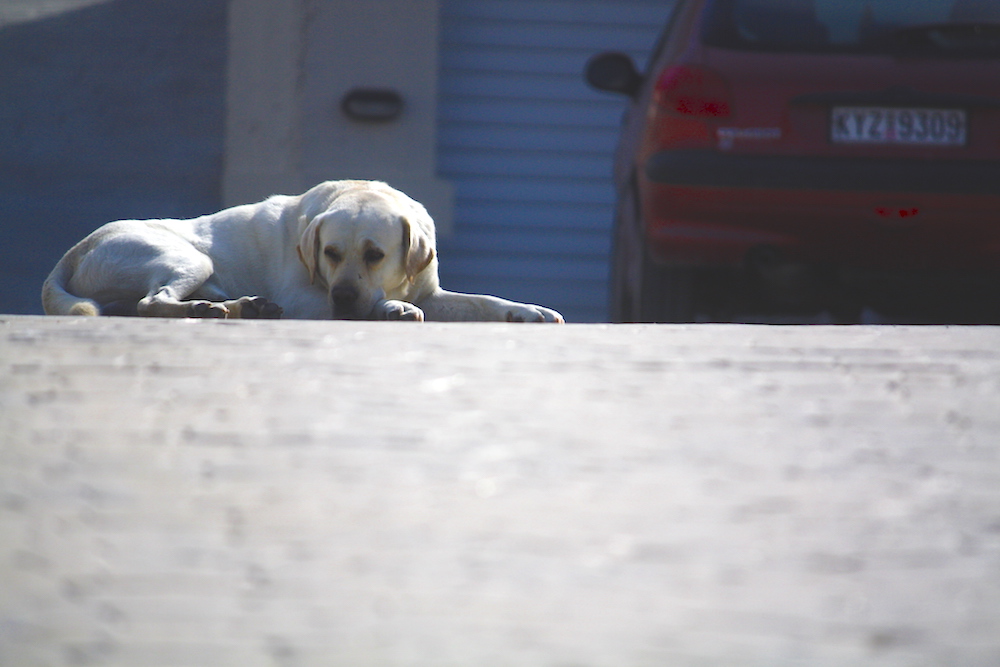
(958, 28)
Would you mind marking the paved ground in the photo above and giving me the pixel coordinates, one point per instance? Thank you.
(332, 493)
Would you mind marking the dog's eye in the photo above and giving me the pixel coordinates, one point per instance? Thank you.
(373, 255)
(332, 254)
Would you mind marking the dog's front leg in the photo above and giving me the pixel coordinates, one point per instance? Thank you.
(444, 306)
(391, 309)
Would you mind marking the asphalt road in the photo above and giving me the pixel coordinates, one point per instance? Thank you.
(342, 493)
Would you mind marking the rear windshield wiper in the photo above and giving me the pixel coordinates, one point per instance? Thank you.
(967, 39)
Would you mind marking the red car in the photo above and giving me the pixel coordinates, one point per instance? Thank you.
(807, 156)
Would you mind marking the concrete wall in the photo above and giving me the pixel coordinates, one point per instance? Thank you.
(108, 110)
(291, 62)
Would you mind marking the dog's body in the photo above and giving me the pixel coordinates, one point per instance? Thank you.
(342, 250)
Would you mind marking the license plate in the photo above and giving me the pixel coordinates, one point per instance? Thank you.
(893, 125)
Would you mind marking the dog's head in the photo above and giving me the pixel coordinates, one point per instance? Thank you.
(369, 243)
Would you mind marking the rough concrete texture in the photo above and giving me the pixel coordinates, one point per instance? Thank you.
(341, 493)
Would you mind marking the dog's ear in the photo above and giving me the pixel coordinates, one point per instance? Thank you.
(418, 249)
(308, 246)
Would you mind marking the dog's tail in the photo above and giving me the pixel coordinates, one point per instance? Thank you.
(56, 300)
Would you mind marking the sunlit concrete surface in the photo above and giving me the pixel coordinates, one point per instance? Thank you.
(20, 11)
(340, 493)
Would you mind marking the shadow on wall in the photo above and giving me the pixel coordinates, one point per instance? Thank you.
(109, 112)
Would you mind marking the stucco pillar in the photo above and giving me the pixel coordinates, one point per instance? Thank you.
(292, 62)
(263, 100)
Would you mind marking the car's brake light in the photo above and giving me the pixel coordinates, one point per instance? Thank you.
(687, 90)
(687, 100)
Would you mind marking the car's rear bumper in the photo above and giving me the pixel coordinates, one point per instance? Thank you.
(708, 208)
(710, 168)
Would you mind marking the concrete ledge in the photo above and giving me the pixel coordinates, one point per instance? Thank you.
(316, 493)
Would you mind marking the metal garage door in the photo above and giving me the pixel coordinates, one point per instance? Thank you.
(528, 145)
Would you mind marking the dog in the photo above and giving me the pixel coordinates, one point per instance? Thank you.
(345, 250)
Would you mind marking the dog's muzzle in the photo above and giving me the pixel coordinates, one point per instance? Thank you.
(344, 297)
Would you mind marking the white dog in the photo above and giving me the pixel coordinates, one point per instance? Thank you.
(342, 250)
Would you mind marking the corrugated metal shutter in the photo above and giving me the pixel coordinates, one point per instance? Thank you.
(529, 146)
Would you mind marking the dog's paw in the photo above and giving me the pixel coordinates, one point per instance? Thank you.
(530, 313)
(400, 310)
(206, 309)
(256, 308)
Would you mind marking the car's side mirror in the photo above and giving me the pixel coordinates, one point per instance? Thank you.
(613, 72)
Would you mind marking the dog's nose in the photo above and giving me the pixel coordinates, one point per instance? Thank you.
(345, 299)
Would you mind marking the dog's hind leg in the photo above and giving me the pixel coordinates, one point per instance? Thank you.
(178, 276)
(253, 308)
(245, 307)
(135, 267)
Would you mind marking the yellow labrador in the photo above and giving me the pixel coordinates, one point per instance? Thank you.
(342, 250)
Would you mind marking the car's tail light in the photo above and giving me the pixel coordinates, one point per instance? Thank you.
(687, 90)
(688, 102)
